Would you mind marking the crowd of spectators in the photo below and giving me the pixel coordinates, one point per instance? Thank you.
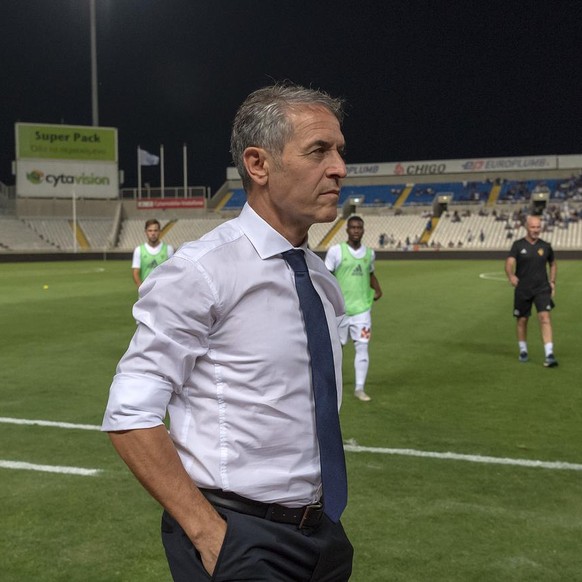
(521, 191)
(570, 189)
(555, 216)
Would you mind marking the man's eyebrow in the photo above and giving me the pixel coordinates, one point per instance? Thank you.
(320, 143)
(325, 144)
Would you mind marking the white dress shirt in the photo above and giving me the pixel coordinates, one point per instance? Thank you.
(221, 344)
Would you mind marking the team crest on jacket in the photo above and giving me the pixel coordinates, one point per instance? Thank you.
(541, 252)
(366, 333)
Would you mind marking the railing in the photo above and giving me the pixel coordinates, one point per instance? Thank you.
(147, 192)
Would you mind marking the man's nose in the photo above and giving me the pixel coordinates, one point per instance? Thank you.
(338, 166)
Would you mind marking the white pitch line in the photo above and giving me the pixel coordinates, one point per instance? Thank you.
(470, 458)
(28, 421)
(495, 276)
(350, 446)
(49, 468)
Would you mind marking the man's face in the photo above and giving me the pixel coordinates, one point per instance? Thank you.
(355, 231)
(533, 227)
(305, 180)
(153, 234)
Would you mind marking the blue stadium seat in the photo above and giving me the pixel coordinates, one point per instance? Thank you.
(516, 190)
(377, 195)
(237, 200)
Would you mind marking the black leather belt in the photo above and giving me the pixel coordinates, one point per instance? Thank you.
(307, 516)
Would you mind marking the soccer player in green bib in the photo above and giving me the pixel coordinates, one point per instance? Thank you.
(147, 256)
(352, 263)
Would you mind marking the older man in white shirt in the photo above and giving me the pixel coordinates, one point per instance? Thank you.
(221, 346)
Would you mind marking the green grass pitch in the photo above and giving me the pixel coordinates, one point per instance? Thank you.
(444, 377)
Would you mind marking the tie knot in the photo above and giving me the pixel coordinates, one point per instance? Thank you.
(296, 260)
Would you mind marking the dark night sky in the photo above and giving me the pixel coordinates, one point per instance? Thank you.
(424, 80)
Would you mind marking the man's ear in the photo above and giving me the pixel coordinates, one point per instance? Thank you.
(256, 164)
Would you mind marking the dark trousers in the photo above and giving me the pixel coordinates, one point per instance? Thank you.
(259, 550)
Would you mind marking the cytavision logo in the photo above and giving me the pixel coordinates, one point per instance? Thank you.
(35, 176)
(38, 177)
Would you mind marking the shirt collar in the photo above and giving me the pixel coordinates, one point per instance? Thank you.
(264, 238)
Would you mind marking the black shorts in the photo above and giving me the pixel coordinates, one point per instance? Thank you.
(524, 298)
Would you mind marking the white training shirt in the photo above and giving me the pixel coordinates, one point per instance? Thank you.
(221, 343)
(136, 259)
(333, 257)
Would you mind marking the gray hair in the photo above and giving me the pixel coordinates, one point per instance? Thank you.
(262, 120)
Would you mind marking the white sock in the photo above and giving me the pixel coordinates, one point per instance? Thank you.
(549, 348)
(361, 363)
(522, 346)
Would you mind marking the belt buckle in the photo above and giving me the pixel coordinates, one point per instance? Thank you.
(317, 506)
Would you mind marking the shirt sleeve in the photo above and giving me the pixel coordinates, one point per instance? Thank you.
(136, 259)
(513, 250)
(331, 258)
(172, 332)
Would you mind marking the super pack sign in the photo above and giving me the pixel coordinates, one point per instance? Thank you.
(65, 142)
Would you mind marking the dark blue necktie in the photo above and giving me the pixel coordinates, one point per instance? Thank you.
(331, 449)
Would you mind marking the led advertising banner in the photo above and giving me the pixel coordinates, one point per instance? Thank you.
(438, 167)
(571, 162)
(163, 203)
(59, 161)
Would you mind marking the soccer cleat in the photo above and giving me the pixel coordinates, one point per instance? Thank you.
(550, 361)
(361, 395)
(523, 356)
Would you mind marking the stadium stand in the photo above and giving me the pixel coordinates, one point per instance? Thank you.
(398, 231)
(56, 231)
(521, 191)
(99, 232)
(383, 195)
(235, 200)
(462, 192)
(482, 214)
(188, 229)
(16, 235)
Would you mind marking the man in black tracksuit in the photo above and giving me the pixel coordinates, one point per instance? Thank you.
(527, 270)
